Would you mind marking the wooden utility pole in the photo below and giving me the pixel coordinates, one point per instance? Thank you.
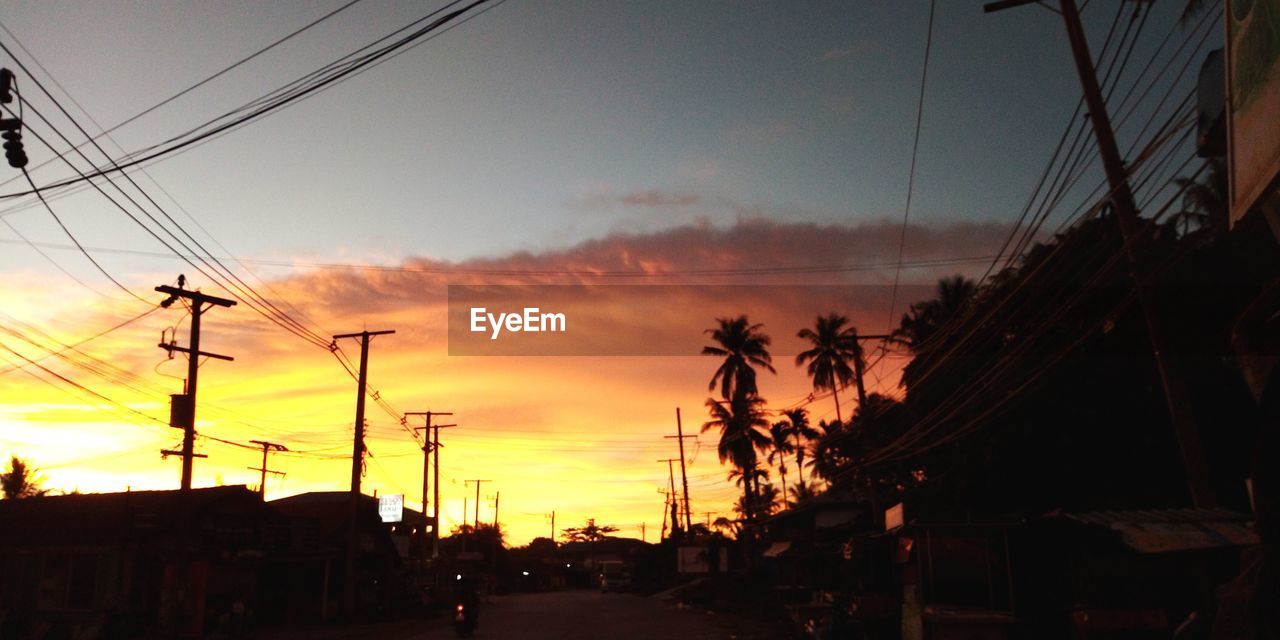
(267, 447)
(497, 500)
(435, 496)
(666, 502)
(427, 448)
(184, 405)
(684, 477)
(675, 497)
(476, 525)
(1177, 395)
(357, 464)
(553, 527)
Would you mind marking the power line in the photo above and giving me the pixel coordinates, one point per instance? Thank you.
(915, 148)
(586, 273)
(189, 89)
(220, 124)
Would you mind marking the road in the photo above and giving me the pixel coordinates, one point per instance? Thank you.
(590, 615)
(557, 615)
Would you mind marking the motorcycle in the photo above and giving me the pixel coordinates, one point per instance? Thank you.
(464, 620)
(466, 611)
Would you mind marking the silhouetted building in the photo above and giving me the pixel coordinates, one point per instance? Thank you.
(156, 561)
(306, 576)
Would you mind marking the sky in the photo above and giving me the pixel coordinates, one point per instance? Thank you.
(561, 137)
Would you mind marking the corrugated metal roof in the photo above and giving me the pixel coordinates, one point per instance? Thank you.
(1167, 530)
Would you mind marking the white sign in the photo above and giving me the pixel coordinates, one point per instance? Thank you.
(391, 507)
(893, 517)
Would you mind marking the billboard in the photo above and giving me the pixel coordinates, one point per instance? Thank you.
(893, 517)
(391, 507)
(1253, 90)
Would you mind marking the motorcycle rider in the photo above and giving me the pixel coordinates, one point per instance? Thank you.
(467, 605)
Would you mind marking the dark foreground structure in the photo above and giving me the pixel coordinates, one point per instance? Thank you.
(201, 562)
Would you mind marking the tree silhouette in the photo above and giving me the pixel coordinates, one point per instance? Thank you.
(803, 491)
(1205, 202)
(20, 481)
(727, 526)
(590, 532)
(920, 326)
(780, 448)
(741, 422)
(835, 347)
(743, 347)
(761, 501)
(802, 434)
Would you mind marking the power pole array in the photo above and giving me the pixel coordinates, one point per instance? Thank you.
(428, 448)
(476, 525)
(435, 478)
(1176, 393)
(357, 463)
(267, 447)
(183, 409)
(674, 501)
(684, 477)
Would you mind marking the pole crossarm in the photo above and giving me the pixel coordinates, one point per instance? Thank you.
(169, 346)
(187, 400)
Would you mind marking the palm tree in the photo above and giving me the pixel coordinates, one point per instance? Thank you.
(802, 433)
(780, 447)
(803, 491)
(1205, 202)
(727, 526)
(743, 347)
(21, 481)
(763, 500)
(924, 319)
(834, 347)
(756, 475)
(740, 421)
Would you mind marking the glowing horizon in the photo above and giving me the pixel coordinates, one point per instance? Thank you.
(578, 435)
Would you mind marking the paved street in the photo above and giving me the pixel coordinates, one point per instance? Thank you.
(559, 615)
(583, 615)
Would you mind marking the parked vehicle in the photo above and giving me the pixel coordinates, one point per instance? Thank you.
(614, 575)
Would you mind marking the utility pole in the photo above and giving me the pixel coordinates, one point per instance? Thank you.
(497, 498)
(429, 446)
(666, 502)
(1176, 393)
(183, 410)
(357, 462)
(553, 527)
(477, 520)
(267, 447)
(708, 514)
(684, 477)
(642, 536)
(675, 497)
(435, 479)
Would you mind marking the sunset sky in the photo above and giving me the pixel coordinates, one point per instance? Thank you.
(562, 138)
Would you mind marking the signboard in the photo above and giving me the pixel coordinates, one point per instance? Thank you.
(893, 517)
(391, 507)
(699, 559)
(1253, 90)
